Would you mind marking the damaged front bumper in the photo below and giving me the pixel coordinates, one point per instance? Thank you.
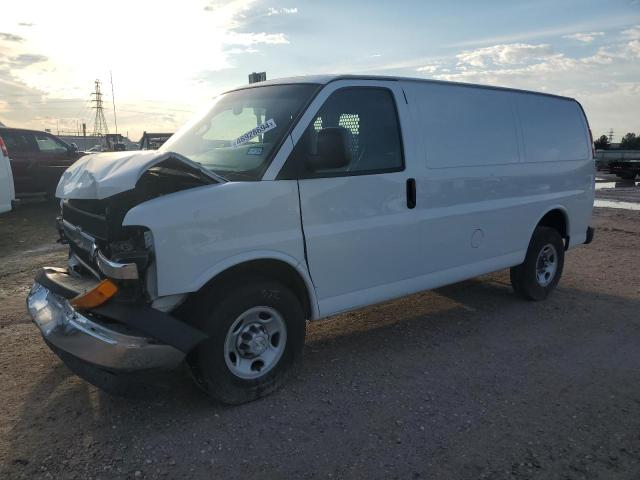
(107, 345)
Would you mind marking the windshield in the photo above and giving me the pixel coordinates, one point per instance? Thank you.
(237, 137)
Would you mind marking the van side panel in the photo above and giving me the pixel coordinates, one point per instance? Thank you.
(557, 153)
(553, 129)
(467, 127)
(479, 197)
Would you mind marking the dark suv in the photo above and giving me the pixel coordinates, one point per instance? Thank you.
(38, 159)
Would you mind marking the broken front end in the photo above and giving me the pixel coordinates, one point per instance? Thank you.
(102, 309)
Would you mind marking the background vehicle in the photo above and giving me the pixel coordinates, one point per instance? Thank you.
(302, 198)
(7, 193)
(153, 141)
(38, 159)
(623, 163)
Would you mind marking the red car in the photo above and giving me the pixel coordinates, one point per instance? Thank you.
(38, 159)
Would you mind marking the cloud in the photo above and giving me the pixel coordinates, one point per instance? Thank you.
(239, 50)
(246, 39)
(240, 29)
(633, 47)
(584, 37)
(604, 81)
(509, 54)
(27, 59)
(497, 65)
(601, 23)
(281, 11)
(632, 33)
(428, 68)
(26, 24)
(10, 37)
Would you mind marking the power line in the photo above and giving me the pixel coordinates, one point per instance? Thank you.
(100, 123)
(113, 97)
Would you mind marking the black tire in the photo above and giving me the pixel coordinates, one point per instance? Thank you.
(208, 365)
(524, 277)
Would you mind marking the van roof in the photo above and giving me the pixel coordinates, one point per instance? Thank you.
(325, 79)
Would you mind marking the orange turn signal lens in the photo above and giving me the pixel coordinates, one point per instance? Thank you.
(95, 297)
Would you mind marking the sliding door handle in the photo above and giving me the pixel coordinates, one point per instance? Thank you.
(411, 193)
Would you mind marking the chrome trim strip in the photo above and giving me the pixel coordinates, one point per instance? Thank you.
(119, 271)
(83, 240)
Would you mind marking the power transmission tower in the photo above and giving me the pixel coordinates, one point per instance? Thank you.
(99, 124)
(610, 136)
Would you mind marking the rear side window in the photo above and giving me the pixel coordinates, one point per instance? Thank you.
(49, 144)
(370, 116)
(19, 142)
(553, 129)
(466, 126)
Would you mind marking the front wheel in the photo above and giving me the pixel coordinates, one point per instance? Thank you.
(256, 334)
(541, 270)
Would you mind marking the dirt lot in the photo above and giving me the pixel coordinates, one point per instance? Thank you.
(466, 382)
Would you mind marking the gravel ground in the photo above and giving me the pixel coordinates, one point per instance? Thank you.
(465, 382)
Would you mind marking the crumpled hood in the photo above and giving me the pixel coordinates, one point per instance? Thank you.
(102, 175)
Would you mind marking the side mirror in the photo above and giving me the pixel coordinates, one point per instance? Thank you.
(74, 148)
(334, 149)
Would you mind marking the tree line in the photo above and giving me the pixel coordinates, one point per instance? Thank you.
(629, 142)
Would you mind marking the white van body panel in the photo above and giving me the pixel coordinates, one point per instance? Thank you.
(480, 176)
(488, 165)
(7, 192)
(201, 232)
(483, 184)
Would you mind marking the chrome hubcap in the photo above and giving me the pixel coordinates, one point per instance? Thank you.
(255, 342)
(547, 265)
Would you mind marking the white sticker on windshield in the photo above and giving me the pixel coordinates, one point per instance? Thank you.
(265, 127)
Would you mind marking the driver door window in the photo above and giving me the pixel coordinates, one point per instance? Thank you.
(370, 118)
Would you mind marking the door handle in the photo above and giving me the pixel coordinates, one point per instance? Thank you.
(411, 193)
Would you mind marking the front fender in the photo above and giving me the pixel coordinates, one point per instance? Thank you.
(201, 231)
(237, 260)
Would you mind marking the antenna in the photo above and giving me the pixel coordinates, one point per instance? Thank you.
(113, 98)
(99, 124)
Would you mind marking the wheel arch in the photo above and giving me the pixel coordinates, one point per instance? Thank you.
(270, 265)
(556, 217)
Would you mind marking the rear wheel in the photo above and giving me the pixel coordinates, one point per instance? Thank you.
(542, 268)
(256, 334)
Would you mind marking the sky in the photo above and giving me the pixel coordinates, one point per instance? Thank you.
(168, 59)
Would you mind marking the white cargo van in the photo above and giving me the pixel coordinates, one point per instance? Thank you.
(7, 190)
(296, 199)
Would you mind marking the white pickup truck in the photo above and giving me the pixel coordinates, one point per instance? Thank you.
(296, 199)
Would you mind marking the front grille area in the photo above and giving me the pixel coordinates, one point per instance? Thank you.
(90, 221)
